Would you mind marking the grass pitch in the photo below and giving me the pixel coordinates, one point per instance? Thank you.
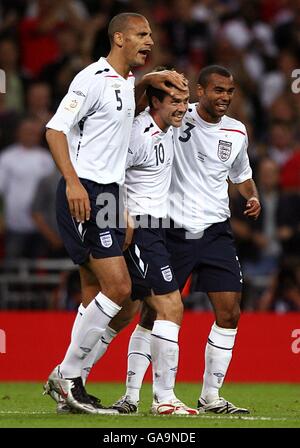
(272, 406)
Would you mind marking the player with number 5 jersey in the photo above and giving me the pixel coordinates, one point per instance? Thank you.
(88, 138)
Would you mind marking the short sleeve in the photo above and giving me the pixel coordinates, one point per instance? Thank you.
(81, 100)
(240, 170)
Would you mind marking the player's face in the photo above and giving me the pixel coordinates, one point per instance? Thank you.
(172, 109)
(137, 41)
(215, 98)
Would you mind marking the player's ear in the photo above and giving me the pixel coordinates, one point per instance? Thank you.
(199, 90)
(155, 102)
(118, 39)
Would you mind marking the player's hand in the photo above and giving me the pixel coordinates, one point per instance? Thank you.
(253, 208)
(79, 202)
(159, 79)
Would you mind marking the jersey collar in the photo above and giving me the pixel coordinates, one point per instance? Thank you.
(112, 72)
(203, 123)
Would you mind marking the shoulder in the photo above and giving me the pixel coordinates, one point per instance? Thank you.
(234, 125)
(190, 111)
(143, 125)
(141, 134)
(91, 76)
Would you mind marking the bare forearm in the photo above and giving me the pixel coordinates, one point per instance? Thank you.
(248, 189)
(58, 145)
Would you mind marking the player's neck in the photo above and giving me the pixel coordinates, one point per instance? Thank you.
(158, 121)
(118, 64)
(205, 115)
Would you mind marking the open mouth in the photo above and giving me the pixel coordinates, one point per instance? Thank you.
(144, 52)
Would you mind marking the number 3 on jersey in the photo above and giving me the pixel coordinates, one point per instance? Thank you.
(119, 99)
(159, 153)
(187, 131)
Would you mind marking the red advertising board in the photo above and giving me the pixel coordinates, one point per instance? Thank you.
(267, 347)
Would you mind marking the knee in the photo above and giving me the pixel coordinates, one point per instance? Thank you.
(118, 291)
(228, 318)
(170, 307)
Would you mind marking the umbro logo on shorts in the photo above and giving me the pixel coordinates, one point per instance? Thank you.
(106, 239)
(167, 273)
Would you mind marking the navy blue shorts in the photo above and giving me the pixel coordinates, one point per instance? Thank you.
(213, 257)
(84, 239)
(149, 264)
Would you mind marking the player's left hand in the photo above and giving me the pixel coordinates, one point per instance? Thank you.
(253, 208)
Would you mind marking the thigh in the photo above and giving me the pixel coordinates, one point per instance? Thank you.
(110, 272)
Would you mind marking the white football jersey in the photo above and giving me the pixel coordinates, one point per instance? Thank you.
(96, 115)
(149, 163)
(206, 155)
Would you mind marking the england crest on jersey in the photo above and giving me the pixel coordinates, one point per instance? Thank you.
(106, 239)
(224, 150)
(167, 274)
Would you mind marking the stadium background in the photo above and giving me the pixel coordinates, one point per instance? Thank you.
(43, 44)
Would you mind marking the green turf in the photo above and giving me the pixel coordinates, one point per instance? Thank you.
(272, 406)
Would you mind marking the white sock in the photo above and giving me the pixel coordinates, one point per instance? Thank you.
(164, 354)
(138, 361)
(93, 323)
(97, 352)
(218, 353)
(80, 311)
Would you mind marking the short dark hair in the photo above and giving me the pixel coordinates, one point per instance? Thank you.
(158, 93)
(119, 23)
(206, 72)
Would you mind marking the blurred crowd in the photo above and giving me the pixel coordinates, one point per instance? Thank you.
(44, 43)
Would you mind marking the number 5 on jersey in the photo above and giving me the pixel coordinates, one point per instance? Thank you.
(119, 99)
